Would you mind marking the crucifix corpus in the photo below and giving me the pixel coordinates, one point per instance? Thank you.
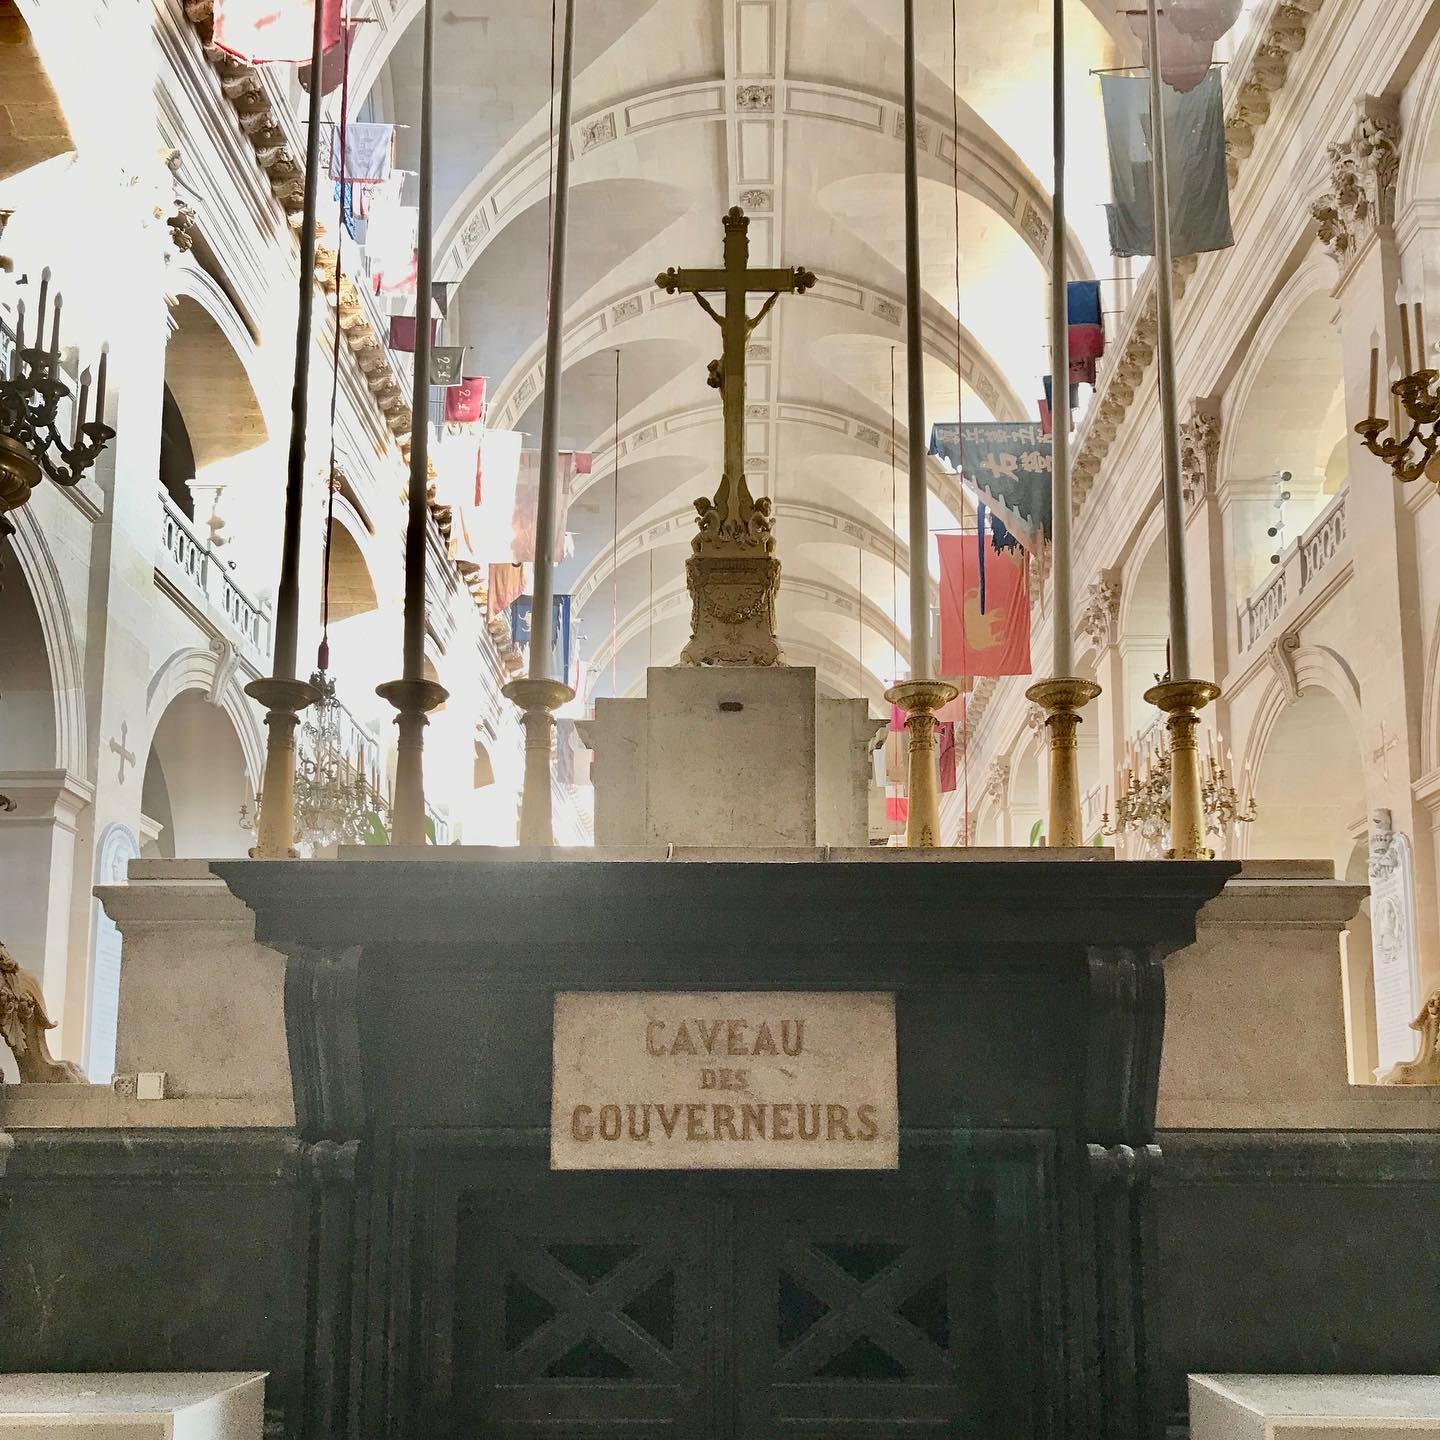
(732, 572)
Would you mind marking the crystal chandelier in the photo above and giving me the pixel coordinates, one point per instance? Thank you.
(1142, 804)
(338, 799)
(34, 442)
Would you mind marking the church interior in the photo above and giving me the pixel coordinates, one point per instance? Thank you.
(873, 486)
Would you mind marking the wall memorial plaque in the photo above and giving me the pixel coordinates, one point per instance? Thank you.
(724, 1081)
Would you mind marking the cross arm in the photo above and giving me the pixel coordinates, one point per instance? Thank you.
(672, 280)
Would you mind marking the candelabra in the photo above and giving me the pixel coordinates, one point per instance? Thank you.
(1414, 403)
(1143, 802)
(32, 441)
(338, 800)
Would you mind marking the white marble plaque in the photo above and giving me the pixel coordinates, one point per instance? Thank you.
(724, 1081)
(1394, 948)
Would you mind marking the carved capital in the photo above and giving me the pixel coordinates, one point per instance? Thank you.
(997, 780)
(1363, 168)
(1100, 615)
(1200, 452)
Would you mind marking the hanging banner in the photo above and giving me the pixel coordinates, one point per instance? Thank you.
(1008, 463)
(507, 584)
(527, 500)
(1195, 156)
(445, 364)
(945, 739)
(992, 638)
(369, 153)
(465, 401)
(402, 333)
(267, 32)
(332, 63)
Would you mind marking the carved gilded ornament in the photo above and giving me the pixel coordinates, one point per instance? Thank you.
(1364, 168)
(997, 780)
(23, 1023)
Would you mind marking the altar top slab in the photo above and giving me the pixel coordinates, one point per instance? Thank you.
(804, 899)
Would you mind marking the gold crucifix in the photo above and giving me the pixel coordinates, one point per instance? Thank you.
(736, 281)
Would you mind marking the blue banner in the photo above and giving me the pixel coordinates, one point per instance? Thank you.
(1008, 463)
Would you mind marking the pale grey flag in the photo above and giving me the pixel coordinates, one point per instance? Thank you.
(1195, 151)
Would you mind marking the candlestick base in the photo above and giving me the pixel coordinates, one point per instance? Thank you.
(920, 699)
(1062, 699)
(538, 700)
(413, 700)
(1181, 701)
(283, 700)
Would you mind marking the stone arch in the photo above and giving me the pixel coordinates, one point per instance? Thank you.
(1298, 733)
(1419, 175)
(214, 423)
(42, 615)
(213, 672)
(1274, 424)
(43, 133)
(1144, 625)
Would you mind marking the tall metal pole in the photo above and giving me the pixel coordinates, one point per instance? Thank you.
(284, 695)
(922, 695)
(540, 694)
(413, 696)
(921, 665)
(1180, 696)
(1063, 695)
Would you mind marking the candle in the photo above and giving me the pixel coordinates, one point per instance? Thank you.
(54, 328)
(1394, 400)
(20, 326)
(1420, 334)
(40, 308)
(100, 385)
(1374, 375)
(1406, 357)
(83, 401)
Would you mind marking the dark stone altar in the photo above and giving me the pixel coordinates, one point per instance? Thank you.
(1001, 1282)
(404, 1264)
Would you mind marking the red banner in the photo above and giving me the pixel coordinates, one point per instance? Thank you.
(987, 635)
(263, 32)
(465, 402)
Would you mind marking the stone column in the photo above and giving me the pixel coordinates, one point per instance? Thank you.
(1356, 216)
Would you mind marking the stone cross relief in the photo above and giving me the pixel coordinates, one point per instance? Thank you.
(121, 749)
(732, 512)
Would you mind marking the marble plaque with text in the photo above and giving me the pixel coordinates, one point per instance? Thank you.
(743, 1080)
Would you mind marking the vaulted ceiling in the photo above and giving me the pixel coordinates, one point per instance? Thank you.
(791, 109)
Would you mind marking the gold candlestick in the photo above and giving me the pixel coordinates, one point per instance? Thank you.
(920, 699)
(1063, 698)
(538, 699)
(1182, 701)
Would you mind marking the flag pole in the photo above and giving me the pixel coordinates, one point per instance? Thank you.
(1064, 694)
(283, 694)
(1180, 696)
(540, 694)
(922, 695)
(414, 696)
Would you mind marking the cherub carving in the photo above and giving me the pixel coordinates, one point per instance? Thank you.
(1424, 1069)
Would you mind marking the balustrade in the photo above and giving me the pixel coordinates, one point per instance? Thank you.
(1300, 567)
(194, 562)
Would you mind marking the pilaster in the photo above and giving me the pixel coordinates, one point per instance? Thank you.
(1356, 225)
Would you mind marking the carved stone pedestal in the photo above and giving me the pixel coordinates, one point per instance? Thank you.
(732, 618)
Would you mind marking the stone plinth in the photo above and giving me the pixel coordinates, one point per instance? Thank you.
(199, 999)
(1254, 1028)
(1314, 1407)
(138, 1407)
(731, 756)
